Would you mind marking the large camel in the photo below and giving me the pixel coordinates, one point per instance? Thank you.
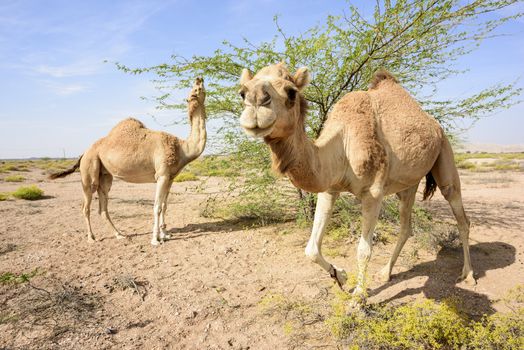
(374, 143)
(133, 153)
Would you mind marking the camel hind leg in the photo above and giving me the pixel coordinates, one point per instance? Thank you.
(86, 211)
(447, 178)
(407, 199)
(104, 187)
(90, 173)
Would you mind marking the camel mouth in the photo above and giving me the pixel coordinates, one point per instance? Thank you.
(259, 132)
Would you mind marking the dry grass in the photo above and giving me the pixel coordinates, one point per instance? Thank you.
(127, 281)
(47, 312)
(14, 178)
(486, 162)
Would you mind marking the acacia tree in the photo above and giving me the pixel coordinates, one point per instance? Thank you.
(417, 40)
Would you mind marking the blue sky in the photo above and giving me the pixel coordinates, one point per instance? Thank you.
(57, 95)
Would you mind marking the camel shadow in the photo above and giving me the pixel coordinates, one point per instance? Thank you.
(207, 228)
(201, 229)
(443, 271)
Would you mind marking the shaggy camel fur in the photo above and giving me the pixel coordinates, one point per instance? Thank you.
(374, 143)
(133, 153)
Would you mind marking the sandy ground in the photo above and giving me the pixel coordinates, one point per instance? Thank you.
(208, 287)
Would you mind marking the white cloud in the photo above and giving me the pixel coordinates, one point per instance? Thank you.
(64, 89)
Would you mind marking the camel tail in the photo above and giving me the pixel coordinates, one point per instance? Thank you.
(431, 187)
(67, 171)
(379, 76)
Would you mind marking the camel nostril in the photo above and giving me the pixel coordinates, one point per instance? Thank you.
(264, 100)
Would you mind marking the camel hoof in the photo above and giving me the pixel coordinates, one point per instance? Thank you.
(165, 236)
(155, 242)
(468, 279)
(339, 275)
(120, 236)
(383, 275)
(91, 240)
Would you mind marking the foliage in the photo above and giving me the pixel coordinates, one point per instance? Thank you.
(223, 166)
(28, 192)
(185, 176)
(13, 166)
(14, 178)
(13, 278)
(418, 40)
(262, 205)
(424, 324)
(493, 161)
(3, 196)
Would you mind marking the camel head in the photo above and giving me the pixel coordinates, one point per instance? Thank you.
(197, 95)
(272, 101)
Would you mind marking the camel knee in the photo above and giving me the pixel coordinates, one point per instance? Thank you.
(363, 251)
(313, 254)
(447, 192)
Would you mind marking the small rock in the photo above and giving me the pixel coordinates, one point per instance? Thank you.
(111, 330)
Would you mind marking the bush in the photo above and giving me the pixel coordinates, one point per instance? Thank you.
(466, 165)
(425, 325)
(28, 192)
(4, 196)
(14, 178)
(13, 278)
(214, 166)
(185, 176)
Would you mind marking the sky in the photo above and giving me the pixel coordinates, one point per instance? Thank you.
(60, 90)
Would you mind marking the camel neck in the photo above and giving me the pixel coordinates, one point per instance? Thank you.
(196, 142)
(300, 159)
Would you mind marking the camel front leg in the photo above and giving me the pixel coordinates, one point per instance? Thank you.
(323, 212)
(370, 211)
(163, 184)
(163, 227)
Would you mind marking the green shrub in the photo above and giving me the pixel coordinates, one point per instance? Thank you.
(185, 176)
(14, 178)
(499, 331)
(28, 192)
(3, 196)
(13, 278)
(424, 325)
(214, 166)
(466, 165)
(505, 164)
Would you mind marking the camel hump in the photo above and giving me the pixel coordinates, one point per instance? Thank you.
(127, 125)
(131, 123)
(380, 76)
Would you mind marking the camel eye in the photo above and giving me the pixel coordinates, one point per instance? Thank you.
(242, 94)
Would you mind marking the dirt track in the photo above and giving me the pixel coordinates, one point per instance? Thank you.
(213, 284)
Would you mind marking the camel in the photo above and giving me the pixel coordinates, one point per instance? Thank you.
(135, 154)
(374, 143)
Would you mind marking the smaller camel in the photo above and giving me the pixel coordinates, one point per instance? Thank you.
(135, 154)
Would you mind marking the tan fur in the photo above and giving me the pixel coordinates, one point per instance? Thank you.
(380, 76)
(374, 143)
(136, 154)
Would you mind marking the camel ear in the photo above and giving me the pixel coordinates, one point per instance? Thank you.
(301, 78)
(245, 76)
